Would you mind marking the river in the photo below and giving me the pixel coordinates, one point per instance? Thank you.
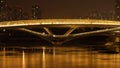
(56, 57)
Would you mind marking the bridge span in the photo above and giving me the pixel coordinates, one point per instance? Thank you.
(59, 23)
(59, 31)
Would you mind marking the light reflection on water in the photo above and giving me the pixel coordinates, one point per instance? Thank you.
(56, 57)
(23, 59)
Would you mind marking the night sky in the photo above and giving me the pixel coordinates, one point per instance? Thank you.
(65, 8)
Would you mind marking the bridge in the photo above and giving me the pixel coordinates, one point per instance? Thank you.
(59, 31)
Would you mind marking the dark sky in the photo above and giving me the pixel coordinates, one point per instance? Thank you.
(65, 8)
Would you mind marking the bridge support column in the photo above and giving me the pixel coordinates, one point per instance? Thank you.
(48, 31)
(69, 31)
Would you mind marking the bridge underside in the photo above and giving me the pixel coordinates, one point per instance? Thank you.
(60, 35)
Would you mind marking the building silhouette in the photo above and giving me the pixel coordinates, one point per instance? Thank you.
(102, 15)
(16, 12)
(117, 9)
(36, 12)
(3, 10)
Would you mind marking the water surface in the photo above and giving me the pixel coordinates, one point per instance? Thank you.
(56, 57)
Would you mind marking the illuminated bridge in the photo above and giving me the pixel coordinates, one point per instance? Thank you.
(59, 31)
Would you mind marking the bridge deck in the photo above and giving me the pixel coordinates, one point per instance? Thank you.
(62, 22)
